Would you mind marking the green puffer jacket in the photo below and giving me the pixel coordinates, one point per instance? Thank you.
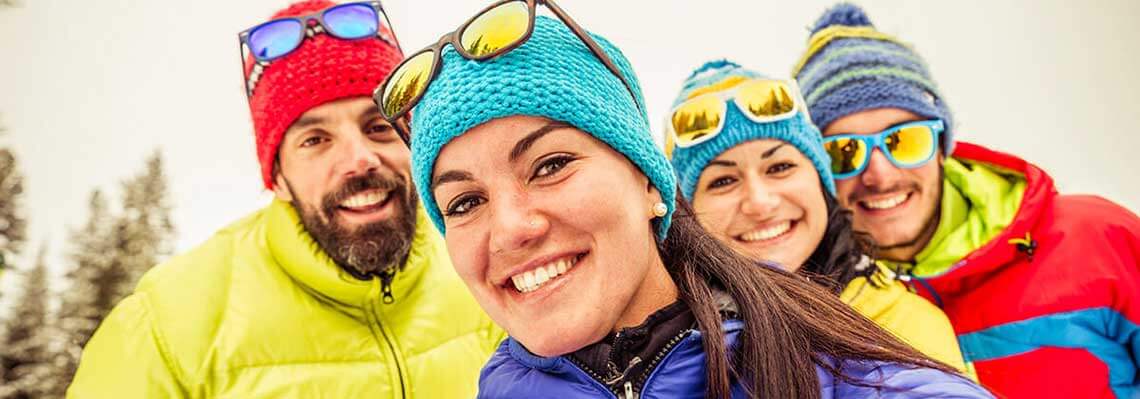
(259, 311)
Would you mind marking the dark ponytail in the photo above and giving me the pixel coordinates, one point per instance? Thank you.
(791, 324)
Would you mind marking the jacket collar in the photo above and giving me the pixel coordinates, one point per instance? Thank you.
(1000, 250)
(302, 259)
(559, 364)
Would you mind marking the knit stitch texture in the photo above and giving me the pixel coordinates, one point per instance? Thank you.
(322, 70)
(798, 131)
(860, 69)
(553, 75)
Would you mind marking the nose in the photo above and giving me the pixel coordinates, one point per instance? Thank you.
(759, 200)
(880, 172)
(358, 158)
(516, 224)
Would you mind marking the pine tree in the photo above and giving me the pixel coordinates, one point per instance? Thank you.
(12, 222)
(25, 360)
(92, 287)
(110, 253)
(143, 231)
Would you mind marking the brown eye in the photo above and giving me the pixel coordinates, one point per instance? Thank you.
(312, 141)
(463, 205)
(780, 168)
(379, 128)
(380, 131)
(721, 182)
(551, 166)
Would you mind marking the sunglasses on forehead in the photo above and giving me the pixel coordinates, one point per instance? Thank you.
(494, 31)
(280, 37)
(701, 117)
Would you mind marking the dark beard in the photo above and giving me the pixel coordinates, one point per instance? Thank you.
(924, 235)
(373, 249)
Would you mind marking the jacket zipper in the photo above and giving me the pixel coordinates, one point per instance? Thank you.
(641, 380)
(386, 288)
(626, 390)
(589, 371)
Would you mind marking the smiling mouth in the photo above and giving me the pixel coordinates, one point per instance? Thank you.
(768, 233)
(365, 201)
(533, 279)
(886, 203)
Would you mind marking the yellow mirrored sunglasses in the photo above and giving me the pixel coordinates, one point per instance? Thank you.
(701, 117)
(908, 145)
(494, 31)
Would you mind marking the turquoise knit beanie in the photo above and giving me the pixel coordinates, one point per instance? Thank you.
(552, 75)
(738, 128)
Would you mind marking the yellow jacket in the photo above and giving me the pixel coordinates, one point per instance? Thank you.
(259, 311)
(906, 315)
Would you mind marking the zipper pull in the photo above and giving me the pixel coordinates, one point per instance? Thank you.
(386, 287)
(907, 281)
(615, 375)
(629, 390)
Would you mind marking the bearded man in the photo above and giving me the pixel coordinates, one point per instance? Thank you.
(340, 287)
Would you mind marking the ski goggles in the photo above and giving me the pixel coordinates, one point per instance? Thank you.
(908, 145)
(280, 37)
(494, 31)
(701, 117)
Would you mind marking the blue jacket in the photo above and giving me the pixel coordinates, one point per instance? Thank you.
(513, 372)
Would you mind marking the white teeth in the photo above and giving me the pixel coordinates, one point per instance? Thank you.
(364, 199)
(529, 280)
(886, 203)
(768, 233)
(532, 279)
(540, 275)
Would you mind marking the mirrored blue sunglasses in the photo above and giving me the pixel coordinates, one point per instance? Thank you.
(280, 37)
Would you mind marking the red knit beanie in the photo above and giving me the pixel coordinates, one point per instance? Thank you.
(321, 70)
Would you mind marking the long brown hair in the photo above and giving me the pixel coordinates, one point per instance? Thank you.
(840, 252)
(791, 325)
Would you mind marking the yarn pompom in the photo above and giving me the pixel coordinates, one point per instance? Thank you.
(845, 14)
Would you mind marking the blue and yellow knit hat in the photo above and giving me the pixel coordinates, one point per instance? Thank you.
(798, 131)
(850, 67)
(552, 75)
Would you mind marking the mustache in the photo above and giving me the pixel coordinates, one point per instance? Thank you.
(358, 184)
(862, 191)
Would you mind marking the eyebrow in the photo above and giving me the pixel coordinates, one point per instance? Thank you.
(772, 150)
(369, 113)
(763, 155)
(306, 121)
(522, 145)
(451, 176)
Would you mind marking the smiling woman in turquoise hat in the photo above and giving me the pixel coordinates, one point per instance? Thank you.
(532, 153)
(753, 165)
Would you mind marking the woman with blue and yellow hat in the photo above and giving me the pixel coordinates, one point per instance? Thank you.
(752, 164)
(532, 153)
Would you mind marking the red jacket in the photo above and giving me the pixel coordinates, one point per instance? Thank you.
(1055, 315)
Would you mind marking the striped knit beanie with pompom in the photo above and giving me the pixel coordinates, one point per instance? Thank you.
(850, 67)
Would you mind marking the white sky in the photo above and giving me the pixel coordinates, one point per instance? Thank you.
(88, 89)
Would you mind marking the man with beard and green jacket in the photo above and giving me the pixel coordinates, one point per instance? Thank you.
(340, 287)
